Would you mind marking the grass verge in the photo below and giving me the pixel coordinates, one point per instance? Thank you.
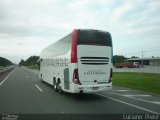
(147, 82)
(35, 67)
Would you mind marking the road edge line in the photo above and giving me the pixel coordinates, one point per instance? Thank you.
(38, 88)
(6, 77)
(144, 109)
(134, 98)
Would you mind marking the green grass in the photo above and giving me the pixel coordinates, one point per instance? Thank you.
(34, 67)
(147, 82)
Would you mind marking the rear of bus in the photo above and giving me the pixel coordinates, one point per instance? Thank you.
(92, 52)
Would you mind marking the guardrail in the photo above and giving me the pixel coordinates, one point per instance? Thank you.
(3, 69)
(145, 69)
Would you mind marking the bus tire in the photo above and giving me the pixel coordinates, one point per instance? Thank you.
(41, 79)
(55, 84)
(60, 89)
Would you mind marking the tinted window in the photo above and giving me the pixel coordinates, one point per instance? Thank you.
(93, 37)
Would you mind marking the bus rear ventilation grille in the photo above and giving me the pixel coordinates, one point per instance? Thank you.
(94, 60)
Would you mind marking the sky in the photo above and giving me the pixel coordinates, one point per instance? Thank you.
(28, 26)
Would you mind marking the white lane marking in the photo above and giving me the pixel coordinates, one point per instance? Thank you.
(156, 102)
(22, 71)
(27, 76)
(38, 88)
(135, 98)
(141, 108)
(122, 90)
(6, 77)
(136, 95)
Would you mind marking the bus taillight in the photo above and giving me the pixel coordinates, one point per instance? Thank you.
(74, 46)
(76, 77)
(110, 78)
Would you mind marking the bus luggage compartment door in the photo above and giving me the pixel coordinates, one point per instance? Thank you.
(66, 78)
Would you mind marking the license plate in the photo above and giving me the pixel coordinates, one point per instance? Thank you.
(94, 88)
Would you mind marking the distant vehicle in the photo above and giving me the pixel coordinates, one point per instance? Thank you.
(81, 62)
(128, 64)
(19, 65)
(136, 64)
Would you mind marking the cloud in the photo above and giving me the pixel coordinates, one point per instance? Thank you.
(137, 18)
(31, 25)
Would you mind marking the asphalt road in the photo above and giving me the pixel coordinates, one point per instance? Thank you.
(21, 92)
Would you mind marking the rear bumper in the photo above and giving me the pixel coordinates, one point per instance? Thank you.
(91, 88)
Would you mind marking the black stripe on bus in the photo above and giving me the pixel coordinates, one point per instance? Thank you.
(95, 63)
(94, 58)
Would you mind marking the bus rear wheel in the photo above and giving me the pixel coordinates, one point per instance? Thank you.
(60, 89)
(41, 79)
(59, 86)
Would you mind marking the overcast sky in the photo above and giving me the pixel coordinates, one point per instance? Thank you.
(28, 26)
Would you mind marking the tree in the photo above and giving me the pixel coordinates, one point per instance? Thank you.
(22, 62)
(119, 59)
(30, 61)
(134, 57)
(5, 62)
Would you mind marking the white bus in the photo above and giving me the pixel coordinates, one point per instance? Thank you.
(81, 62)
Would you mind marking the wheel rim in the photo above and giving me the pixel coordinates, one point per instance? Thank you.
(55, 87)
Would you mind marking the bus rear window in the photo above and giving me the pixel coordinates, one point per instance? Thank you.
(90, 37)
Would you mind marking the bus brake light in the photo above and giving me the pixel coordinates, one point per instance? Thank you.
(76, 77)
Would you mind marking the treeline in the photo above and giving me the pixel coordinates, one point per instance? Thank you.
(30, 61)
(5, 62)
(33, 60)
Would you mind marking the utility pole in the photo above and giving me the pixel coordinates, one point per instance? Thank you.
(142, 58)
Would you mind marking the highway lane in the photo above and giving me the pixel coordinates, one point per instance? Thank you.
(23, 92)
